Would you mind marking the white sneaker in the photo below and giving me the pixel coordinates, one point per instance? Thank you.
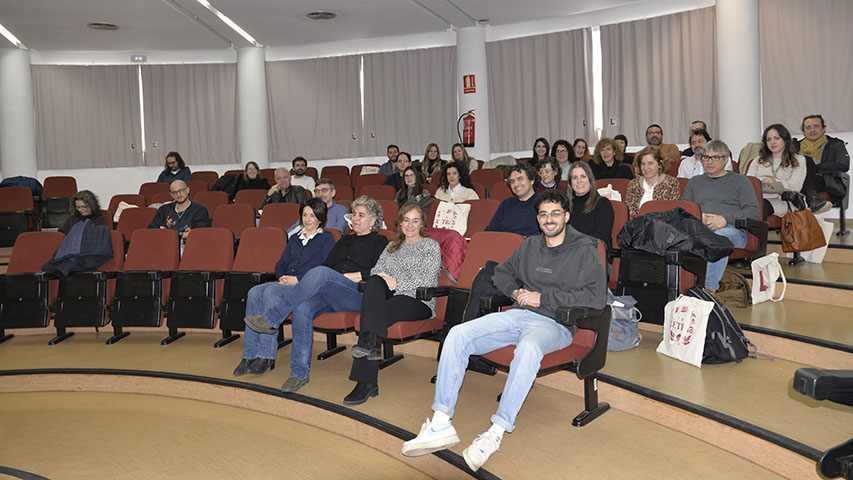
(431, 440)
(480, 451)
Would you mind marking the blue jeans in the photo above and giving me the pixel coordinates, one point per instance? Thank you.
(715, 269)
(321, 290)
(534, 336)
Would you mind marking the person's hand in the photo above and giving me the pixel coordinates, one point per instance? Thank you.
(288, 280)
(186, 233)
(273, 189)
(526, 298)
(389, 280)
(354, 276)
(713, 221)
(769, 179)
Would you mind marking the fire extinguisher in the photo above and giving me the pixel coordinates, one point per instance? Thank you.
(467, 133)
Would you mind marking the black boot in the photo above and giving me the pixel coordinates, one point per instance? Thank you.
(361, 393)
(261, 365)
(369, 345)
(242, 368)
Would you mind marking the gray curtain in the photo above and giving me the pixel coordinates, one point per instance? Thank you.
(87, 116)
(660, 70)
(315, 108)
(191, 109)
(805, 62)
(410, 100)
(540, 86)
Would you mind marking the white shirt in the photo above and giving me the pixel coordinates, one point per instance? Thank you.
(306, 182)
(648, 191)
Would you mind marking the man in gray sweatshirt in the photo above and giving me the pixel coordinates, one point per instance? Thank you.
(561, 267)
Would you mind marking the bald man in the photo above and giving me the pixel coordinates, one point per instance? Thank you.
(181, 214)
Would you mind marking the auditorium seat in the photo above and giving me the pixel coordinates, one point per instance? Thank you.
(620, 217)
(619, 184)
(269, 174)
(333, 170)
(236, 217)
(254, 198)
(379, 192)
(233, 172)
(260, 249)
(343, 194)
(83, 297)
(672, 171)
(133, 219)
(355, 171)
(17, 214)
(480, 215)
(342, 182)
(211, 200)
(56, 203)
(585, 356)
(480, 189)
(279, 215)
(208, 177)
(361, 181)
(196, 187)
(390, 209)
(131, 198)
(142, 285)
(25, 290)
(487, 176)
(198, 282)
(500, 191)
(682, 185)
(148, 189)
(667, 205)
(160, 198)
(757, 229)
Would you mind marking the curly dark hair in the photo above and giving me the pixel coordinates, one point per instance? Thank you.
(464, 176)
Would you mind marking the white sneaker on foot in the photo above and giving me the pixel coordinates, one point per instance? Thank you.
(480, 451)
(431, 438)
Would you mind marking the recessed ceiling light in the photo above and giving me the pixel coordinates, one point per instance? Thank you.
(321, 15)
(102, 26)
(483, 21)
(11, 38)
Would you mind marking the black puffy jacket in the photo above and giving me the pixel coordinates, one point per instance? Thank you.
(673, 230)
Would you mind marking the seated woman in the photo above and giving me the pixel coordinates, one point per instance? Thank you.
(305, 250)
(581, 149)
(331, 287)
(541, 147)
(86, 207)
(251, 179)
(651, 183)
(607, 162)
(591, 213)
(458, 154)
(549, 174)
(455, 185)
(780, 169)
(622, 141)
(413, 191)
(432, 163)
(410, 260)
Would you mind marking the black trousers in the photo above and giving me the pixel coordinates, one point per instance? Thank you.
(380, 309)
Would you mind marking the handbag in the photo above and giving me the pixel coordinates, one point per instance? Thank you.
(684, 326)
(765, 271)
(624, 320)
(453, 216)
(816, 255)
(801, 232)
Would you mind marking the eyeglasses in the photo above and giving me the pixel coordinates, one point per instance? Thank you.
(715, 158)
(82, 207)
(322, 190)
(562, 150)
(552, 214)
(175, 192)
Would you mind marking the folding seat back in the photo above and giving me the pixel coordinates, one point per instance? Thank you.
(480, 215)
(333, 170)
(667, 205)
(672, 171)
(487, 176)
(756, 230)
(390, 209)
(133, 219)
(682, 185)
(500, 191)
(83, 297)
(279, 215)
(148, 189)
(233, 172)
(160, 198)
(379, 192)
(585, 356)
(618, 184)
(355, 172)
(25, 290)
(211, 200)
(17, 214)
(131, 198)
(362, 181)
(198, 282)
(253, 198)
(310, 171)
(259, 251)
(269, 174)
(387, 232)
(480, 189)
(340, 180)
(343, 193)
(143, 284)
(209, 178)
(56, 204)
(196, 187)
(620, 217)
(237, 217)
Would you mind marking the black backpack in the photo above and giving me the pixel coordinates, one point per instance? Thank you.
(724, 339)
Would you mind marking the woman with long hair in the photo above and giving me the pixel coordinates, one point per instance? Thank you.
(541, 148)
(251, 179)
(86, 207)
(455, 185)
(591, 213)
(432, 162)
(410, 260)
(651, 183)
(779, 167)
(458, 154)
(565, 155)
(581, 149)
(413, 191)
(607, 162)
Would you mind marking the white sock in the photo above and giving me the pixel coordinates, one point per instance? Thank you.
(498, 430)
(440, 418)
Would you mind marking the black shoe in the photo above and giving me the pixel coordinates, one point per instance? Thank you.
(369, 346)
(259, 324)
(361, 393)
(261, 365)
(477, 364)
(242, 368)
(818, 205)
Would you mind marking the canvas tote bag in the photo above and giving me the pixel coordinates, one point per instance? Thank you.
(765, 271)
(453, 216)
(684, 326)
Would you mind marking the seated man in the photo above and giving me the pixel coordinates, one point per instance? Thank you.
(691, 165)
(722, 196)
(325, 191)
(390, 167)
(300, 165)
(561, 267)
(517, 214)
(695, 126)
(175, 169)
(396, 179)
(283, 191)
(181, 215)
(829, 160)
(654, 136)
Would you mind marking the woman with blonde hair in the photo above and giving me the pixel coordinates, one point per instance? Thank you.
(607, 162)
(432, 162)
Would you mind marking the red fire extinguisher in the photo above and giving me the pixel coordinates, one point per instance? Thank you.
(467, 133)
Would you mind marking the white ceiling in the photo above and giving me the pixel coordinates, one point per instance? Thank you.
(147, 25)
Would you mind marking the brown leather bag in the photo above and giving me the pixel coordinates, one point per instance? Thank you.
(801, 232)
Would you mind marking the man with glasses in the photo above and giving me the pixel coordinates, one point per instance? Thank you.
(561, 267)
(691, 165)
(175, 169)
(325, 191)
(396, 179)
(722, 196)
(181, 215)
(654, 136)
(283, 191)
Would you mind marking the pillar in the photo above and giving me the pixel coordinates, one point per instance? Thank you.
(252, 97)
(471, 60)
(17, 115)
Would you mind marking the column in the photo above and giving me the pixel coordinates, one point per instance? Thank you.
(471, 60)
(738, 73)
(17, 115)
(252, 97)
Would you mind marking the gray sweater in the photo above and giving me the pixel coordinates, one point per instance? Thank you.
(731, 196)
(413, 266)
(568, 275)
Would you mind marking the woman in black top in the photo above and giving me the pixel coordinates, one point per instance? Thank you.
(251, 179)
(86, 207)
(591, 213)
(607, 162)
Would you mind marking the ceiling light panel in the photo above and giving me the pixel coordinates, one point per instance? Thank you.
(229, 22)
(12, 38)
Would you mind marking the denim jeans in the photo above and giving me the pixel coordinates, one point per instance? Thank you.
(534, 336)
(715, 269)
(321, 290)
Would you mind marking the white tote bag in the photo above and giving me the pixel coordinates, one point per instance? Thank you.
(453, 216)
(684, 325)
(610, 193)
(765, 271)
(816, 255)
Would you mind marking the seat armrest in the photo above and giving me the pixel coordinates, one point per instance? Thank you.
(583, 317)
(493, 303)
(361, 285)
(428, 293)
(263, 277)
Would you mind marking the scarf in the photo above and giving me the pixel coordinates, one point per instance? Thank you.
(812, 149)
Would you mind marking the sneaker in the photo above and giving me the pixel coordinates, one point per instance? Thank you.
(821, 206)
(480, 451)
(431, 440)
